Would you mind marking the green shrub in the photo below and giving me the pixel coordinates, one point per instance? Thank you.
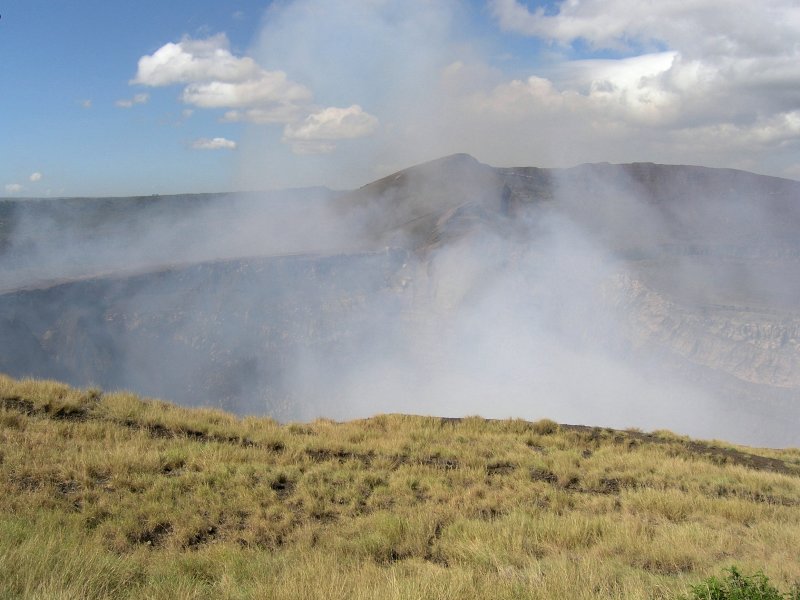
(736, 586)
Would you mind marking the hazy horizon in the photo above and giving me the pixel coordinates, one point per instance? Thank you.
(256, 191)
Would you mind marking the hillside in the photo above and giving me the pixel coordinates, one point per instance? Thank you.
(108, 495)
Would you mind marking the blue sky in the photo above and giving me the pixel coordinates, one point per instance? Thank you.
(59, 55)
(123, 98)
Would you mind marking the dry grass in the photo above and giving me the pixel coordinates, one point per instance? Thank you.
(106, 495)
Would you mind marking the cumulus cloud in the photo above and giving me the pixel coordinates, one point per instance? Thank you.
(315, 134)
(129, 102)
(703, 27)
(269, 88)
(217, 143)
(193, 60)
(279, 113)
(215, 78)
(732, 61)
(622, 90)
(34, 177)
(333, 124)
(14, 188)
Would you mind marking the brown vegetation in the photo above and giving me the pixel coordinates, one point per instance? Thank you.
(107, 495)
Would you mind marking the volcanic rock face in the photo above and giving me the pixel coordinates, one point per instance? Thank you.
(755, 347)
(448, 288)
(220, 333)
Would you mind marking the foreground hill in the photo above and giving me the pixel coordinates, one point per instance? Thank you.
(107, 495)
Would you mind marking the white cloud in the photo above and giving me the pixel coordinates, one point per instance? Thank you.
(86, 103)
(707, 27)
(217, 143)
(193, 60)
(137, 99)
(215, 78)
(333, 124)
(270, 87)
(14, 188)
(35, 177)
(316, 133)
(731, 72)
(741, 42)
(764, 133)
(279, 113)
(629, 89)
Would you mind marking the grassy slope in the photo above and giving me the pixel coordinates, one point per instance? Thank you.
(112, 496)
